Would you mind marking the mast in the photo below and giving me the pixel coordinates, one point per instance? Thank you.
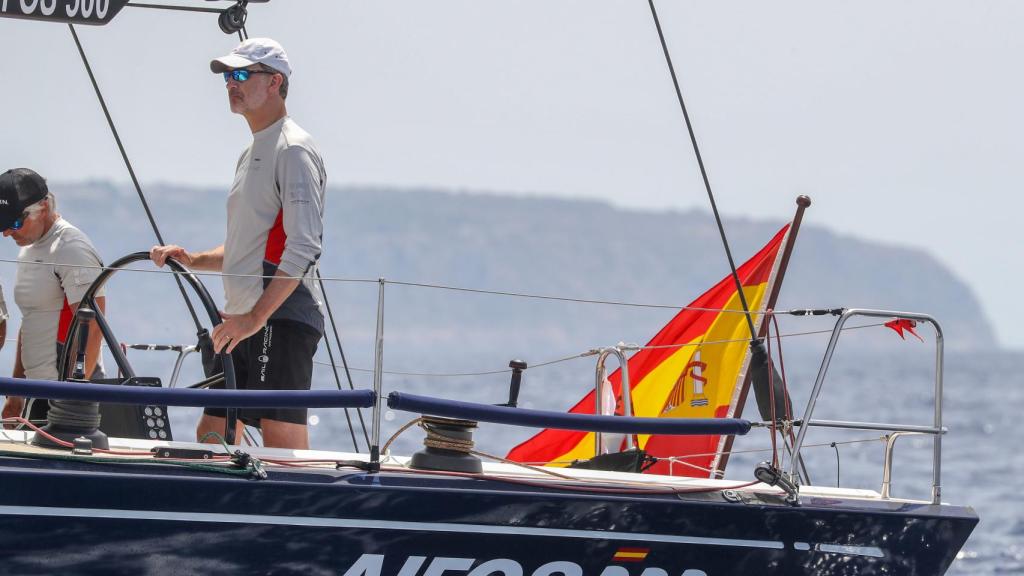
(92, 13)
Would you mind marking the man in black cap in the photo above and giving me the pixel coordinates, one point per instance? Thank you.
(56, 265)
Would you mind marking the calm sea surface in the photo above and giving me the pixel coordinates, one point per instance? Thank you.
(983, 461)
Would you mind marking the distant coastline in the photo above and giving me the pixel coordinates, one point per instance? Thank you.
(533, 244)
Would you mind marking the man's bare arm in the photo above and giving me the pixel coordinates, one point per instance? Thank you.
(19, 367)
(280, 288)
(14, 405)
(238, 327)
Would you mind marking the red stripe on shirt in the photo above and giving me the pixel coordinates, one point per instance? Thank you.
(64, 323)
(275, 240)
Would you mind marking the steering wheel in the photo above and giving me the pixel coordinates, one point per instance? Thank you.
(227, 376)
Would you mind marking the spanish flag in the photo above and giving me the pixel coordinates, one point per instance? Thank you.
(631, 554)
(693, 368)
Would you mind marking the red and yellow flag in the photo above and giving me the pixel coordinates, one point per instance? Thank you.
(693, 368)
(631, 554)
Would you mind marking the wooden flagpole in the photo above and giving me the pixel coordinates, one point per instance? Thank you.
(802, 203)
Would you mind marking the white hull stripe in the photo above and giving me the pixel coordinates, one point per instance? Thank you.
(159, 515)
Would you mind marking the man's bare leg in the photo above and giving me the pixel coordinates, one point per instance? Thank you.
(216, 424)
(278, 434)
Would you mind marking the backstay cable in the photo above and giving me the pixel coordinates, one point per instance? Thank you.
(131, 171)
(703, 171)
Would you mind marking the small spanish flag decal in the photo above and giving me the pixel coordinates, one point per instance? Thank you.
(631, 555)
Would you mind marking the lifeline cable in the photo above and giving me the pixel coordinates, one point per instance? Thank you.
(703, 172)
(554, 298)
(527, 295)
(587, 354)
(748, 451)
(199, 273)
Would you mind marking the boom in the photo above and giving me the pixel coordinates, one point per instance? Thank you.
(93, 12)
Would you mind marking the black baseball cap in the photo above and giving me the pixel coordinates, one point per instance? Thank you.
(19, 189)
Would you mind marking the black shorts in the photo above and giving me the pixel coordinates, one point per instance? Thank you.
(278, 357)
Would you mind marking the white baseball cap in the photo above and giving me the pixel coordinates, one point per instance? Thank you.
(254, 51)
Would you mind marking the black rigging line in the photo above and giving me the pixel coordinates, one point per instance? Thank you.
(344, 364)
(131, 171)
(348, 417)
(703, 172)
(837, 462)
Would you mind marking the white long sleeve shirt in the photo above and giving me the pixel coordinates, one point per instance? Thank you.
(275, 222)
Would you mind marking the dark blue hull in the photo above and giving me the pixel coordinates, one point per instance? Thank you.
(73, 518)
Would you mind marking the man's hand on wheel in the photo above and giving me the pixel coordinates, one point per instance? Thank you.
(160, 254)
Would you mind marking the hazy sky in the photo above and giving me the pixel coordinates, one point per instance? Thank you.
(902, 120)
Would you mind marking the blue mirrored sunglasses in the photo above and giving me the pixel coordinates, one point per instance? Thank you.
(17, 224)
(243, 75)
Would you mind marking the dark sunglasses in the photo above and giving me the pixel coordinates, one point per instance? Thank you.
(243, 75)
(17, 224)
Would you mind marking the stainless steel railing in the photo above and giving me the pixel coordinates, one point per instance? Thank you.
(182, 350)
(599, 391)
(890, 444)
(936, 430)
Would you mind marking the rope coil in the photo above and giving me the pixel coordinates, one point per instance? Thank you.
(439, 433)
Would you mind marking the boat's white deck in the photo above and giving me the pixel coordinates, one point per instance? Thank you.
(17, 441)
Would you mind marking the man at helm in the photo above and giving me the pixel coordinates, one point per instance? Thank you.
(56, 265)
(272, 318)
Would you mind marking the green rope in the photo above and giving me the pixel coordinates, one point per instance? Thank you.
(249, 463)
(223, 442)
